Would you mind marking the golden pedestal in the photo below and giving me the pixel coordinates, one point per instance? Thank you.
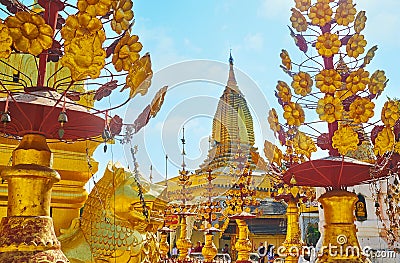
(27, 233)
(340, 243)
(209, 250)
(183, 244)
(293, 242)
(243, 244)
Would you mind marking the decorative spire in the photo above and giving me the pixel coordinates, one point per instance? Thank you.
(230, 57)
(183, 148)
(231, 80)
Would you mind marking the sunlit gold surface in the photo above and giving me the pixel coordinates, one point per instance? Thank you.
(183, 243)
(293, 234)
(112, 227)
(232, 125)
(164, 246)
(71, 162)
(209, 250)
(338, 208)
(27, 233)
(243, 244)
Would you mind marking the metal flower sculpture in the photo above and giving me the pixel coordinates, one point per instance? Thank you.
(63, 57)
(333, 86)
(56, 60)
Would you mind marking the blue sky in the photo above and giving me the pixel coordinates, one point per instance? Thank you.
(185, 32)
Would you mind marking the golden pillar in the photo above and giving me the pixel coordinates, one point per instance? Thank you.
(164, 246)
(243, 244)
(340, 243)
(183, 243)
(209, 250)
(293, 242)
(27, 233)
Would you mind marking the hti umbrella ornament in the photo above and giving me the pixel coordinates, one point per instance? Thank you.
(57, 59)
(334, 87)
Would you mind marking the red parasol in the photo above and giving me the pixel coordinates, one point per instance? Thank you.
(331, 171)
(38, 112)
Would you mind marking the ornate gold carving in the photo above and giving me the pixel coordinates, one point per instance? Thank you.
(112, 226)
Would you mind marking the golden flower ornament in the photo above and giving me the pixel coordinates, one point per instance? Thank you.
(273, 120)
(84, 57)
(357, 80)
(330, 109)
(384, 142)
(345, 13)
(356, 45)
(81, 25)
(5, 41)
(390, 113)
(126, 52)
(328, 44)
(294, 114)
(320, 13)
(286, 61)
(29, 32)
(139, 77)
(302, 83)
(328, 81)
(284, 92)
(123, 15)
(304, 145)
(299, 22)
(94, 7)
(377, 82)
(361, 110)
(359, 23)
(273, 153)
(303, 5)
(345, 139)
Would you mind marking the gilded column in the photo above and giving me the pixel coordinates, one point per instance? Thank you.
(183, 244)
(340, 243)
(293, 243)
(27, 233)
(243, 244)
(209, 250)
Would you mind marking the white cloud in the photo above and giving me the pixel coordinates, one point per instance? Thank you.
(254, 41)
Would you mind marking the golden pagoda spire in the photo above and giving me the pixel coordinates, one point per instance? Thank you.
(232, 125)
(231, 79)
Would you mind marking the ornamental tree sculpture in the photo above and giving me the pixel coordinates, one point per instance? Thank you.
(56, 60)
(333, 84)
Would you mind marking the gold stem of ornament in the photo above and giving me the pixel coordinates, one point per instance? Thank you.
(27, 231)
(164, 246)
(183, 244)
(243, 244)
(340, 243)
(209, 250)
(293, 242)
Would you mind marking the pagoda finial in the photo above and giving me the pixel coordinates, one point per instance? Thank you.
(183, 148)
(231, 79)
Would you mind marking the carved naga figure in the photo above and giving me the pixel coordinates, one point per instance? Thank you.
(113, 226)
